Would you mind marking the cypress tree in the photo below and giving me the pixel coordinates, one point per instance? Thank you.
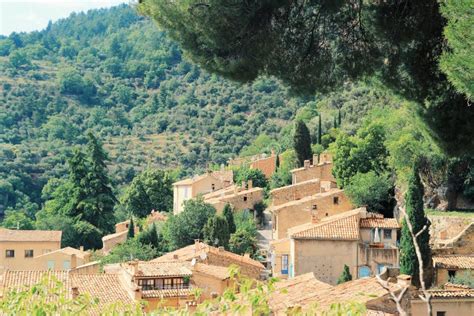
(131, 229)
(345, 276)
(302, 142)
(216, 231)
(414, 208)
(339, 118)
(277, 161)
(229, 216)
(335, 122)
(320, 130)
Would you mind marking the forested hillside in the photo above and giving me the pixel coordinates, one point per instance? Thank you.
(112, 72)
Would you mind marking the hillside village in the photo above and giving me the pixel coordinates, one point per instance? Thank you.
(311, 235)
(193, 157)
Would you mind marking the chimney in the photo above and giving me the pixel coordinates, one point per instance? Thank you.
(175, 256)
(250, 184)
(81, 248)
(222, 167)
(73, 261)
(243, 185)
(247, 255)
(137, 293)
(236, 189)
(273, 152)
(306, 164)
(315, 160)
(74, 292)
(221, 249)
(404, 280)
(134, 265)
(197, 245)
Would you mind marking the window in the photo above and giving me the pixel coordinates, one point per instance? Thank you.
(327, 214)
(387, 234)
(66, 264)
(335, 200)
(452, 273)
(245, 198)
(29, 253)
(284, 264)
(315, 207)
(147, 284)
(440, 313)
(213, 187)
(364, 272)
(178, 283)
(50, 264)
(10, 253)
(168, 284)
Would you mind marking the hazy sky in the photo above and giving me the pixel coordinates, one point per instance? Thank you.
(30, 15)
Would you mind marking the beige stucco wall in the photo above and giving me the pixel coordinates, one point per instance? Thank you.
(295, 192)
(266, 165)
(59, 261)
(239, 201)
(452, 307)
(209, 284)
(321, 171)
(278, 249)
(19, 262)
(248, 270)
(325, 258)
(301, 213)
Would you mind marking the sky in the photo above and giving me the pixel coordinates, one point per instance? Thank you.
(31, 15)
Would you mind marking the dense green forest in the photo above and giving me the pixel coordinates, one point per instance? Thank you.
(113, 73)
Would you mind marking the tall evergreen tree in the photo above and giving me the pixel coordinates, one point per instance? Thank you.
(414, 208)
(335, 122)
(100, 200)
(229, 216)
(339, 118)
(345, 276)
(277, 162)
(320, 129)
(131, 229)
(216, 232)
(302, 142)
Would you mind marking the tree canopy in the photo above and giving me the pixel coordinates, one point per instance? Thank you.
(325, 44)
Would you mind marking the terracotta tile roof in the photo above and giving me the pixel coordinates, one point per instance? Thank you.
(311, 166)
(196, 250)
(218, 272)
(167, 293)
(160, 269)
(314, 197)
(305, 291)
(344, 226)
(232, 195)
(107, 288)
(226, 175)
(379, 222)
(454, 261)
(30, 235)
(289, 293)
(452, 293)
(67, 251)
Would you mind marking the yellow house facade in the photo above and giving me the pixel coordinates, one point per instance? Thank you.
(18, 248)
(189, 188)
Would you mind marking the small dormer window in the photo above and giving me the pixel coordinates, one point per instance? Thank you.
(335, 200)
(315, 207)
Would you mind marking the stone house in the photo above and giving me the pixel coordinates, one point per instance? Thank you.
(203, 253)
(308, 209)
(18, 248)
(320, 169)
(300, 190)
(192, 187)
(453, 256)
(119, 237)
(239, 197)
(365, 242)
(262, 162)
(62, 259)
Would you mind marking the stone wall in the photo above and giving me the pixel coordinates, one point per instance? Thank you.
(295, 191)
(322, 171)
(446, 227)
